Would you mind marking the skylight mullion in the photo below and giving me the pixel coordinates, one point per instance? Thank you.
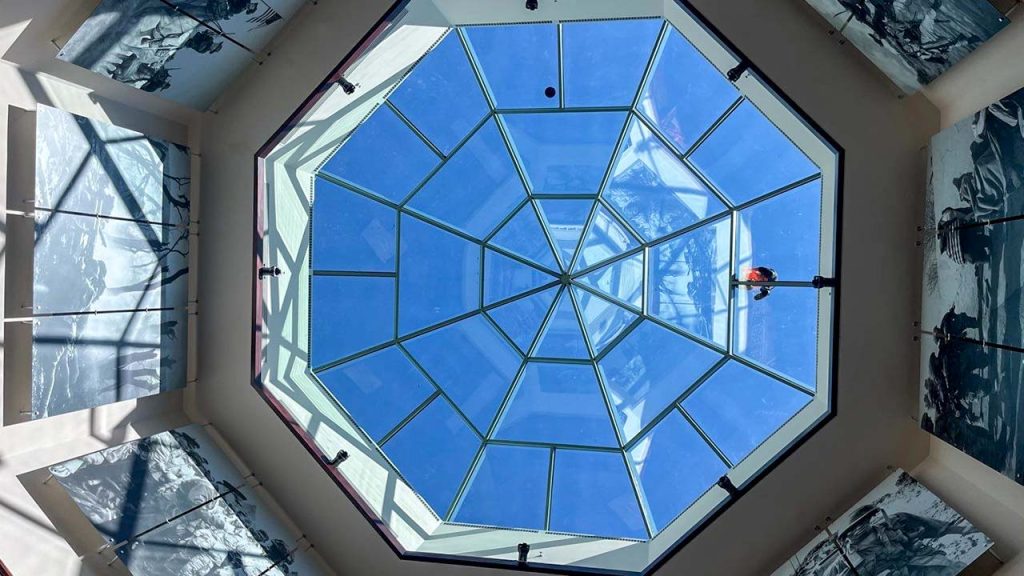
(344, 359)
(408, 418)
(550, 489)
(773, 375)
(641, 500)
(501, 333)
(476, 68)
(520, 296)
(583, 236)
(354, 273)
(603, 263)
(327, 176)
(398, 264)
(609, 298)
(444, 162)
(561, 66)
(483, 265)
(714, 126)
(616, 153)
(615, 341)
(466, 481)
(734, 247)
(681, 332)
(555, 445)
(777, 192)
(440, 390)
(415, 130)
(549, 196)
(707, 439)
(546, 360)
(424, 217)
(658, 42)
(645, 293)
(618, 218)
(521, 260)
(508, 218)
(672, 407)
(514, 111)
(686, 162)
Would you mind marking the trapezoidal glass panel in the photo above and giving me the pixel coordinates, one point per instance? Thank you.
(593, 494)
(509, 488)
(518, 63)
(603, 62)
(779, 332)
(349, 314)
(782, 233)
(351, 232)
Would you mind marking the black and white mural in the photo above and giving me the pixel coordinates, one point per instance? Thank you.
(173, 504)
(899, 528)
(110, 264)
(185, 50)
(973, 248)
(913, 41)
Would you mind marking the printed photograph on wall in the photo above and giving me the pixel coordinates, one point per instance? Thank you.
(973, 244)
(899, 528)
(913, 42)
(184, 50)
(215, 522)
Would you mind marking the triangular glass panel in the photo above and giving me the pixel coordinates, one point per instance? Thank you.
(476, 188)
(565, 220)
(563, 337)
(603, 320)
(558, 404)
(521, 320)
(505, 277)
(565, 153)
(622, 280)
(524, 235)
(653, 190)
(689, 281)
(606, 238)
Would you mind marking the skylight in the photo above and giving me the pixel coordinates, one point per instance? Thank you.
(525, 276)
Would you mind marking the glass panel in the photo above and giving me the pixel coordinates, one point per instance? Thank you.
(652, 189)
(689, 279)
(477, 187)
(472, 363)
(440, 276)
(384, 157)
(685, 94)
(605, 239)
(565, 220)
(350, 314)
(522, 319)
(566, 153)
(509, 488)
(675, 466)
(524, 236)
(783, 233)
(747, 156)
(603, 320)
(517, 62)
(505, 277)
(738, 408)
(648, 371)
(622, 280)
(562, 336)
(592, 494)
(351, 232)
(603, 62)
(442, 96)
(378, 390)
(780, 331)
(558, 404)
(434, 452)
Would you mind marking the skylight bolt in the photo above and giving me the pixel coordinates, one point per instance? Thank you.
(725, 483)
(346, 86)
(524, 549)
(531, 4)
(273, 271)
(340, 457)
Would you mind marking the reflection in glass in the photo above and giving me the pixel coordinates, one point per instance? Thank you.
(378, 390)
(439, 276)
(606, 238)
(603, 61)
(442, 96)
(780, 331)
(505, 277)
(557, 404)
(604, 321)
(563, 337)
(383, 156)
(622, 280)
(509, 488)
(648, 371)
(747, 156)
(739, 407)
(689, 281)
(434, 452)
(565, 153)
(783, 232)
(653, 190)
(351, 232)
(675, 466)
(521, 320)
(349, 314)
(684, 105)
(471, 363)
(516, 76)
(476, 188)
(593, 494)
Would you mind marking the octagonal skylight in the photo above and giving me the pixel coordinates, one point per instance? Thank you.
(530, 273)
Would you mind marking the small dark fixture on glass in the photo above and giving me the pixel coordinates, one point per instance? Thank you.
(269, 271)
(550, 92)
(531, 4)
(524, 549)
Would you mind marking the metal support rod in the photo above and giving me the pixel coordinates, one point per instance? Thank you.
(273, 271)
(48, 478)
(340, 457)
(725, 483)
(524, 550)
(734, 74)
(790, 283)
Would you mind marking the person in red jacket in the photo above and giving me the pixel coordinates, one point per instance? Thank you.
(761, 274)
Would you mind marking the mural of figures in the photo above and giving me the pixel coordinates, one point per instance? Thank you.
(185, 50)
(971, 394)
(913, 41)
(218, 523)
(899, 528)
